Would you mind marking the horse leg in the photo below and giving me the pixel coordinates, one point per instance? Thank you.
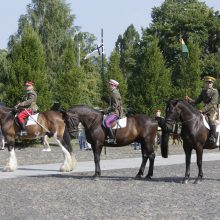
(11, 165)
(199, 154)
(142, 167)
(151, 166)
(68, 164)
(46, 144)
(188, 152)
(2, 143)
(68, 145)
(97, 152)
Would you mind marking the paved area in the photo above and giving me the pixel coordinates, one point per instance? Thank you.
(86, 166)
(38, 191)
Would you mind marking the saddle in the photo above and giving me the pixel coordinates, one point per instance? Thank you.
(30, 120)
(119, 123)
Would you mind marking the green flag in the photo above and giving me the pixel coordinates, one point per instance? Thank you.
(185, 50)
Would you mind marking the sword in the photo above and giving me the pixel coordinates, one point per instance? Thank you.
(37, 122)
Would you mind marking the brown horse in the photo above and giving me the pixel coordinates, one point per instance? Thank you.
(140, 128)
(194, 133)
(49, 122)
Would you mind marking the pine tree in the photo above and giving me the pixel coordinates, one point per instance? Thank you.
(27, 60)
(150, 85)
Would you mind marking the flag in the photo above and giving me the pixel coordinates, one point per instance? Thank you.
(95, 53)
(185, 50)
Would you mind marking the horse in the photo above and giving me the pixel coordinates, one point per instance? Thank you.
(140, 128)
(176, 137)
(194, 134)
(49, 123)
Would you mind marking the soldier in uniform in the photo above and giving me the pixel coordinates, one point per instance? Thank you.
(27, 106)
(209, 96)
(114, 110)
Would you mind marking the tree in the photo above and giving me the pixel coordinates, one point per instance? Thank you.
(150, 85)
(126, 46)
(27, 60)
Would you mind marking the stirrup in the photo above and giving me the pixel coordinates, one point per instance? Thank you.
(212, 140)
(111, 141)
(22, 133)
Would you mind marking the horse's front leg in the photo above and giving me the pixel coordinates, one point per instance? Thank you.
(11, 165)
(142, 167)
(188, 152)
(97, 149)
(199, 154)
(151, 166)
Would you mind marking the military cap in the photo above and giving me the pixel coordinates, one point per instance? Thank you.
(209, 79)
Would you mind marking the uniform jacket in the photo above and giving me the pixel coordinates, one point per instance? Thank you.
(115, 104)
(29, 100)
(210, 98)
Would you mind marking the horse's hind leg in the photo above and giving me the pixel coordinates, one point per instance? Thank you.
(46, 144)
(69, 163)
(11, 165)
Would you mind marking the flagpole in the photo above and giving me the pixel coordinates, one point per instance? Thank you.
(102, 70)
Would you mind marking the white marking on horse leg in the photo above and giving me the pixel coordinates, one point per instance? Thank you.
(2, 144)
(46, 144)
(69, 160)
(12, 162)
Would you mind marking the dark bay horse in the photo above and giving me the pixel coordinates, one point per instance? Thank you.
(49, 122)
(140, 128)
(194, 133)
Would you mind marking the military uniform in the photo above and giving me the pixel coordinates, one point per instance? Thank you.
(29, 101)
(115, 106)
(26, 107)
(209, 96)
(114, 111)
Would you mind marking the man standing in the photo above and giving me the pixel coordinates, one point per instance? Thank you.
(209, 96)
(114, 110)
(27, 106)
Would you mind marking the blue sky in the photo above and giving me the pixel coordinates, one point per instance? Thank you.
(114, 16)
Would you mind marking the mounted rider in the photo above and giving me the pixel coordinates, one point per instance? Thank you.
(114, 111)
(27, 106)
(209, 96)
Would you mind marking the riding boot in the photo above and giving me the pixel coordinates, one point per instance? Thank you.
(111, 139)
(212, 137)
(23, 131)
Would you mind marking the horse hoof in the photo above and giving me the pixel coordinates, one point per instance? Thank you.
(197, 181)
(138, 177)
(185, 181)
(95, 177)
(7, 169)
(148, 178)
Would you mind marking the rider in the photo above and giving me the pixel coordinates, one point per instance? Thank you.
(114, 110)
(27, 106)
(209, 96)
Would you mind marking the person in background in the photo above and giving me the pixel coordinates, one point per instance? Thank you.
(81, 137)
(209, 96)
(27, 106)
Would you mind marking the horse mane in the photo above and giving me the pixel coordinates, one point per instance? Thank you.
(85, 108)
(189, 106)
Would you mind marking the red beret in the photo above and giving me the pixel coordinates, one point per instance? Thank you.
(29, 84)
